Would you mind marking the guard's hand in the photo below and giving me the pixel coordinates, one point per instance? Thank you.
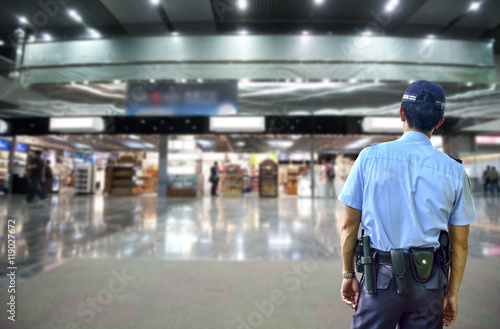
(449, 311)
(350, 292)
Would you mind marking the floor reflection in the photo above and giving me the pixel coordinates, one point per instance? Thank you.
(207, 228)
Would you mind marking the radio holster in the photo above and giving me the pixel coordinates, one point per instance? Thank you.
(366, 264)
(445, 254)
(444, 241)
(399, 268)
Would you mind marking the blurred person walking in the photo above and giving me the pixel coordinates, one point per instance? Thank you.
(214, 178)
(37, 178)
(493, 180)
(485, 179)
(49, 177)
(330, 177)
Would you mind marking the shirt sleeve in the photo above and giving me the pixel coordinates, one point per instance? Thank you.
(463, 211)
(352, 192)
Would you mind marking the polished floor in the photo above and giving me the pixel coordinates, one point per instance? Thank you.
(204, 229)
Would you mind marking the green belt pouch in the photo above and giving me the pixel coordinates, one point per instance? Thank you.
(421, 261)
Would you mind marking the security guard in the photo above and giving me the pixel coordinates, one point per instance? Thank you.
(405, 193)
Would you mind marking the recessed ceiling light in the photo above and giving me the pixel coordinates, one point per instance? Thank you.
(243, 32)
(23, 20)
(31, 38)
(47, 37)
(94, 33)
(318, 2)
(245, 80)
(298, 80)
(74, 14)
(2, 43)
(392, 5)
(475, 5)
(200, 80)
(155, 2)
(85, 82)
(469, 84)
(326, 80)
(117, 82)
(305, 32)
(280, 143)
(431, 36)
(152, 80)
(175, 34)
(367, 33)
(353, 80)
(242, 4)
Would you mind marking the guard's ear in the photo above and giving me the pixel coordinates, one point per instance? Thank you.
(439, 123)
(402, 115)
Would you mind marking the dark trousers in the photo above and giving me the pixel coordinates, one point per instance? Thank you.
(422, 308)
(486, 182)
(36, 187)
(494, 187)
(213, 191)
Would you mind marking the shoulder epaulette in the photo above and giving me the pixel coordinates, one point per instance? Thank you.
(456, 159)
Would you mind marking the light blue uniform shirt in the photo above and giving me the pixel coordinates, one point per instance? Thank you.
(408, 192)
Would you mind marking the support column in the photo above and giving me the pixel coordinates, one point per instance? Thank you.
(162, 167)
(455, 145)
(311, 169)
(10, 167)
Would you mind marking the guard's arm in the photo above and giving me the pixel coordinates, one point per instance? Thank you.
(349, 236)
(349, 233)
(459, 249)
(459, 236)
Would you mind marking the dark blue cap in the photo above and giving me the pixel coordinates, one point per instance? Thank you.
(419, 87)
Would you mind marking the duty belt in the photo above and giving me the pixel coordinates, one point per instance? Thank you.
(420, 260)
(384, 258)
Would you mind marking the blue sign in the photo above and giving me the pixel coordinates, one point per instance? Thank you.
(4, 145)
(79, 155)
(20, 147)
(182, 99)
(89, 158)
(68, 154)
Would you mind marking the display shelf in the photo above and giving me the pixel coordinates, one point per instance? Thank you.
(255, 183)
(4, 164)
(83, 178)
(247, 185)
(292, 176)
(120, 181)
(148, 183)
(268, 179)
(182, 185)
(232, 185)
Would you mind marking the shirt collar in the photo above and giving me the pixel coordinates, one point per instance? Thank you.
(416, 136)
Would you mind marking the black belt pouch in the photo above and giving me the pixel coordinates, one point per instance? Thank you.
(421, 260)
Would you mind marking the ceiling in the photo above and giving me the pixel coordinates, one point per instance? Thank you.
(442, 18)
(211, 143)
